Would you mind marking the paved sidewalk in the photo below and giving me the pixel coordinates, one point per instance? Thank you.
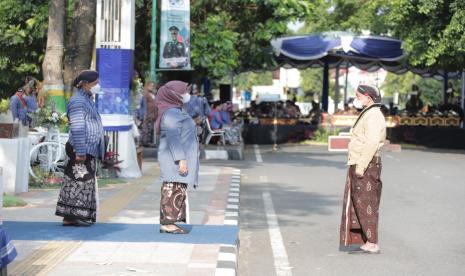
(126, 239)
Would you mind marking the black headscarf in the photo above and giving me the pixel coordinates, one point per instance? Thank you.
(85, 76)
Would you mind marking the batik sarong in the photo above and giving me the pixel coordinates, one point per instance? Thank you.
(78, 196)
(360, 209)
(173, 203)
(148, 131)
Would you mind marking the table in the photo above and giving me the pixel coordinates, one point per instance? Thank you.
(434, 137)
(14, 159)
(263, 134)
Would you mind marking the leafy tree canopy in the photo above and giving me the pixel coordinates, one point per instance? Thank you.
(23, 35)
(235, 35)
(433, 31)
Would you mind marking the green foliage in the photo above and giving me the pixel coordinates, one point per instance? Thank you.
(49, 117)
(23, 25)
(216, 53)
(235, 35)
(12, 201)
(312, 82)
(431, 89)
(4, 105)
(433, 31)
(321, 135)
(347, 15)
(245, 81)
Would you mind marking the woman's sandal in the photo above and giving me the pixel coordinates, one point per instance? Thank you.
(363, 251)
(77, 222)
(178, 230)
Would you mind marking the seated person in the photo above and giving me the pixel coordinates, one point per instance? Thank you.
(414, 104)
(215, 119)
(232, 130)
(291, 110)
(393, 110)
(315, 113)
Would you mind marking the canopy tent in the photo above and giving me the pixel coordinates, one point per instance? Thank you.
(343, 49)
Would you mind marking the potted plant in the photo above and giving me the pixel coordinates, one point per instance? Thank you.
(8, 129)
(48, 117)
(110, 168)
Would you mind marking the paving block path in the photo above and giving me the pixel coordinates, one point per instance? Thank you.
(126, 239)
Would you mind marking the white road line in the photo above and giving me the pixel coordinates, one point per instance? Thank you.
(231, 214)
(233, 200)
(258, 156)
(281, 262)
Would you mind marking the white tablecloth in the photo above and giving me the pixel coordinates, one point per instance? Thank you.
(14, 159)
(127, 153)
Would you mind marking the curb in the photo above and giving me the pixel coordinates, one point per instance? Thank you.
(227, 257)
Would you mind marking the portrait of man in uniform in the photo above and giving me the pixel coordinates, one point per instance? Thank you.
(174, 51)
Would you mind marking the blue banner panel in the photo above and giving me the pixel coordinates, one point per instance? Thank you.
(113, 101)
(117, 128)
(115, 67)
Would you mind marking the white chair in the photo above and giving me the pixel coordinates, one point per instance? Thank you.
(211, 133)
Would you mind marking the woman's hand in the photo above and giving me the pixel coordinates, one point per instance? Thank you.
(182, 167)
(80, 158)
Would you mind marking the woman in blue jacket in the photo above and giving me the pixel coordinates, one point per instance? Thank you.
(178, 154)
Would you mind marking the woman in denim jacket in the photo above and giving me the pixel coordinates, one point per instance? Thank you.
(178, 154)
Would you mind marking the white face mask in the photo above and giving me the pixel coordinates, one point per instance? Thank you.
(95, 89)
(186, 98)
(357, 103)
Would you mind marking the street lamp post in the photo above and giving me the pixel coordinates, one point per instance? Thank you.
(153, 45)
(462, 98)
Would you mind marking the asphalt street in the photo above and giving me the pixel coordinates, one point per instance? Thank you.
(291, 211)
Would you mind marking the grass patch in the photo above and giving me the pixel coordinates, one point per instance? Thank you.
(322, 134)
(102, 182)
(314, 143)
(12, 201)
(412, 146)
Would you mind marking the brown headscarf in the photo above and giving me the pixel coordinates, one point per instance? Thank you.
(169, 96)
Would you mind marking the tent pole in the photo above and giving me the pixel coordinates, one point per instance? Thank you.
(325, 86)
(462, 98)
(345, 85)
(336, 88)
(153, 44)
(446, 80)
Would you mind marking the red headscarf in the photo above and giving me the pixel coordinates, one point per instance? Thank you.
(169, 96)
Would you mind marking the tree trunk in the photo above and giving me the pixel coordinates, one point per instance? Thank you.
(80, 41)
(52, 66)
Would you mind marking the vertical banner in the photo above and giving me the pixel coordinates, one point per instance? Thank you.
(114, 37)
(175, 34)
